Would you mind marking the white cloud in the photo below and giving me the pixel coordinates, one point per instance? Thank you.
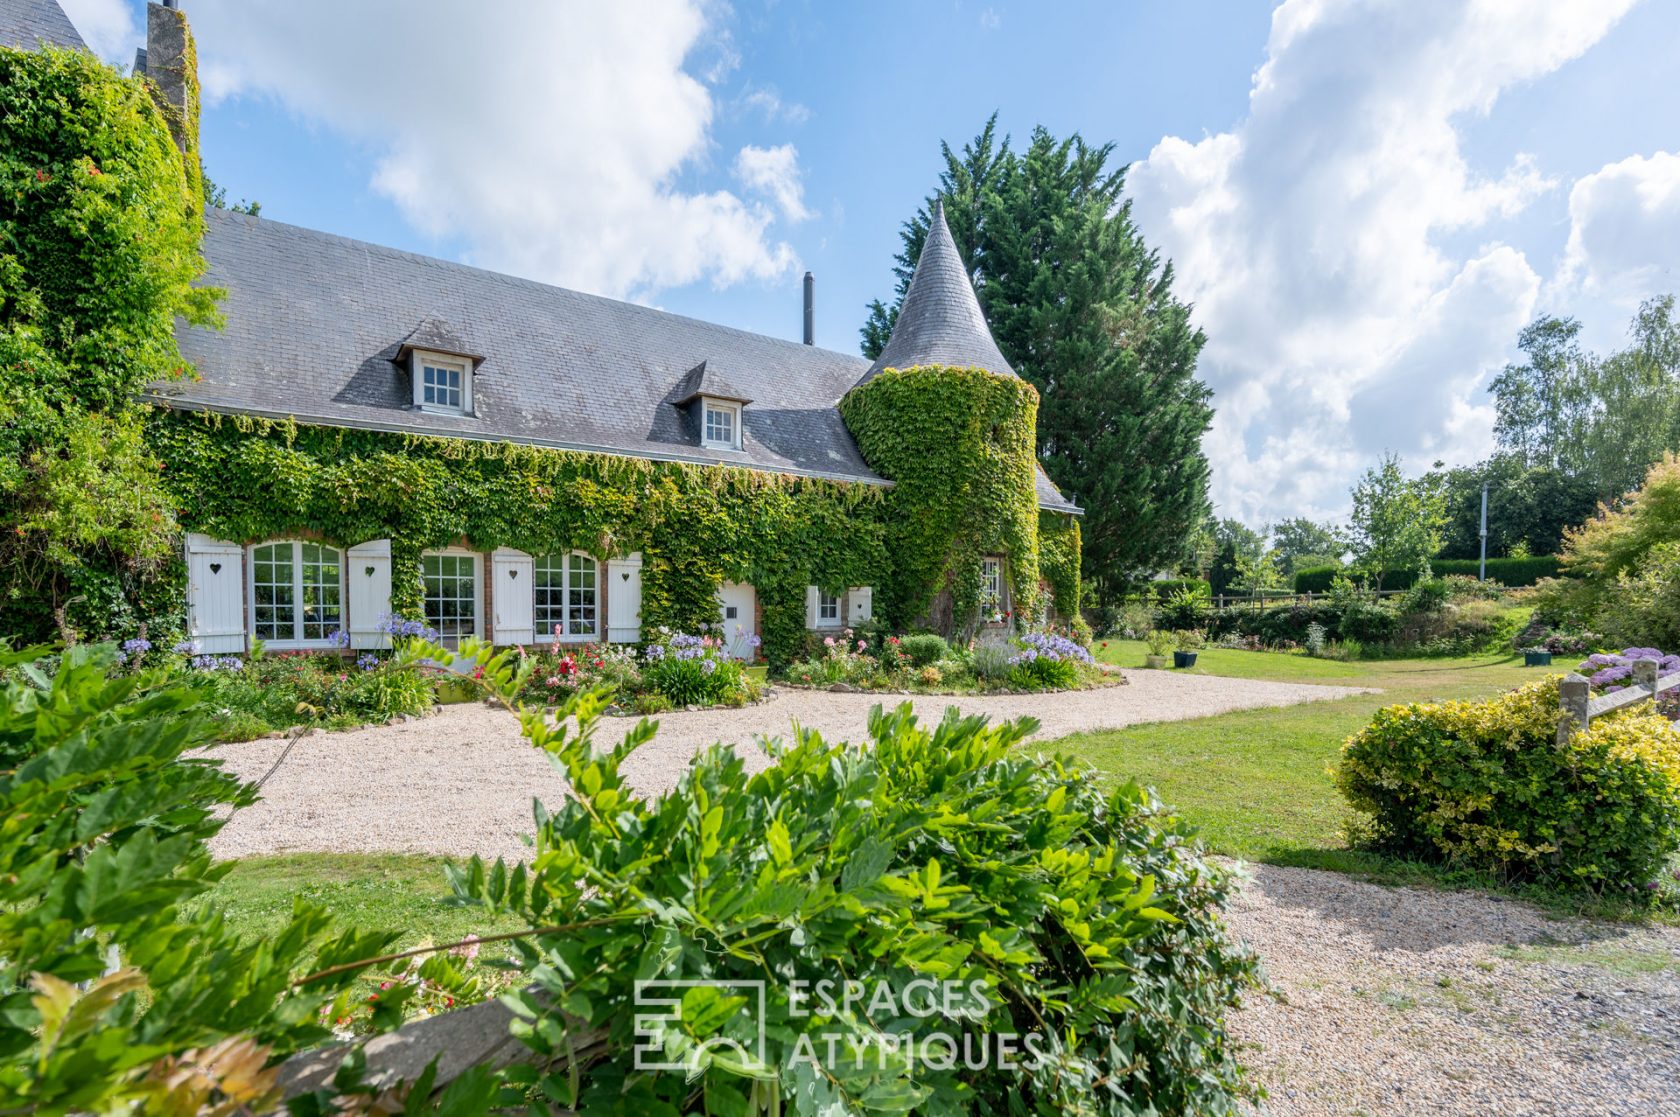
(1624, 227)
(1311, 238)
(107, 26)
(774, 171)
(768, 102)
(990, 20)
(557, 140)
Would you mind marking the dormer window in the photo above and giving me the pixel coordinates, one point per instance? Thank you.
(723, 425)
(715, 407)
(442, 384)
(440, 368)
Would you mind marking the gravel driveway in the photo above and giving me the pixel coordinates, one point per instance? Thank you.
(462, 782)
(1412, 1001)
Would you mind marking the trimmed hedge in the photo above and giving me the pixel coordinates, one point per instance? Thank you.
(1483, 784)
(1159, 591)
(1505, 571)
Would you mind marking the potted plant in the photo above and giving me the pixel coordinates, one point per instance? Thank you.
(1189, 642)
(1160, 642)
(1536, 657)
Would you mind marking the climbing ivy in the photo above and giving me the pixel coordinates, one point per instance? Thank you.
(1059, 547)
(100, 223)
(250, 479)
(957, 444)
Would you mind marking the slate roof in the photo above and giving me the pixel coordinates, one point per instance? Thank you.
(705, 380)
(315, 324)
(940, 322)
(26, 24)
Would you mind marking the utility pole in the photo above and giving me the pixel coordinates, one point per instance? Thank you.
(1483, 576)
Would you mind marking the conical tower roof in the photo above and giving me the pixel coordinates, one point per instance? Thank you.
(940, 322)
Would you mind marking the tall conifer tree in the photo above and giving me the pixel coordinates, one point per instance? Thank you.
(1084, 310)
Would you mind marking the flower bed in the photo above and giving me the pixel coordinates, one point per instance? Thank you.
(676, 670)
(264, 692)
(922, 664)
(1609, 672)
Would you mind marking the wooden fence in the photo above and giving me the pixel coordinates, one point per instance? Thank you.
(1579, 707)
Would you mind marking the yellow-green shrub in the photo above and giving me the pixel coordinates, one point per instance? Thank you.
(1484, 785)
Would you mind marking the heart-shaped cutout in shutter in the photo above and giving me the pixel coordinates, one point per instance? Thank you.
(513, 573)
(625, 575)
(215, 568)
(368, 570)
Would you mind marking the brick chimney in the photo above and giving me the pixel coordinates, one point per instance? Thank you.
(171, 64)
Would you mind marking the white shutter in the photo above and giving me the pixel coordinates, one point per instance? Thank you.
(860, 604)
(624, 599)
(215, 595)
(511, 596)
(367, 569)
(811, 606)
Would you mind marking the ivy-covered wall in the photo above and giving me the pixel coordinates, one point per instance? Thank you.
(958, 444)
(100, 223)
(696, 526)
(1059, 550)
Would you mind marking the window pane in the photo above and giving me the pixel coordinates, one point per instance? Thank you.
(319, 610)
(451, 594)
(272, 592)
(580, 597)
(549, 593)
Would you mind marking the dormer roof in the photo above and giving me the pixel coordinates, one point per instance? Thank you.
(434, 335)
(940, 322)
(704, 380)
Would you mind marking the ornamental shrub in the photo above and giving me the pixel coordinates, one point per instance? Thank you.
(1484, 785)
(1089, 918)
(925, 648)
(693, 671)
(120, 989)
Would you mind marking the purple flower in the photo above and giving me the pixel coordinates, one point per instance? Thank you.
(187, 647)
(137, 646)
(339, 638)
(367, 661)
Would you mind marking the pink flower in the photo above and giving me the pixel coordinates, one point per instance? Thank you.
(828, 641)
(862, 644)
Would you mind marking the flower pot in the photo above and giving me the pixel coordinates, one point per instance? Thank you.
(1184, 659)
(1155, 662)
(1537, 659)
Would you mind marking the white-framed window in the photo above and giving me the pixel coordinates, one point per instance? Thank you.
(450, 591)
(297, 593)
(828, 610)
(442, 383)
(722, 429)
(991, 584)
(567, 601)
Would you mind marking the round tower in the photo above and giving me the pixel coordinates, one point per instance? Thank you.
(943, 416)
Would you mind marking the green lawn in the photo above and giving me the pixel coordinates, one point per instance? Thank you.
(1255, 782)
(361, 890)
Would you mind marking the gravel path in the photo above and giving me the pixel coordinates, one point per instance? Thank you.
(462, 782)
(1410, 1001)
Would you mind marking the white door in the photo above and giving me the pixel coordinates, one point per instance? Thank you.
(736, 601)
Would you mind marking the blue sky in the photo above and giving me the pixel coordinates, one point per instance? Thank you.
(1365, 198)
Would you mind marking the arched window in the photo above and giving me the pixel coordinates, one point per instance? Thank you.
(566, 591)
(297, 593)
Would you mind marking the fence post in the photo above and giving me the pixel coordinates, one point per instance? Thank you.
(1573, 695)
(1645, 676)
